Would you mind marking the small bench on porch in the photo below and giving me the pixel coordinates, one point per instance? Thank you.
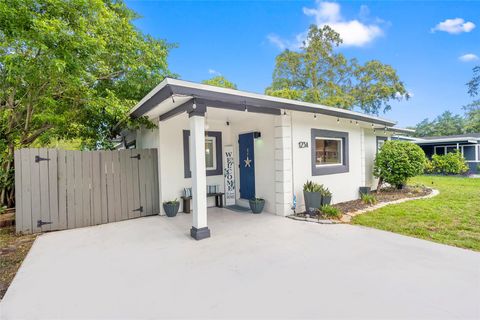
(212, 191)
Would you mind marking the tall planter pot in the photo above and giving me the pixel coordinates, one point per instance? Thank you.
(171, 209)
(256, 205)
(313, 200)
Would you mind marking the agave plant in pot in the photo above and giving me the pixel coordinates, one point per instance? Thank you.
(326, 196)
(171, 207)
(312, 193)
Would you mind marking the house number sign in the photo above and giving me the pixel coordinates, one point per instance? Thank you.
(303, 144)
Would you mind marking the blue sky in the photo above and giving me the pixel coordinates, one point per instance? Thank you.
(432, 45)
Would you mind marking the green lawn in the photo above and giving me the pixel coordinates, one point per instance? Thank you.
(452, 217)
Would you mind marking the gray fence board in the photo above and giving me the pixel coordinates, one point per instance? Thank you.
(53, 188)
(72, 189)
(43, 190)
(18, 193)
(62, 189)
(96, 189)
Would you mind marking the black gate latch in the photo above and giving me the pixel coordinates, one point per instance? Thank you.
(139, 209)
(40, 223)
(137, 156)
(38, 159)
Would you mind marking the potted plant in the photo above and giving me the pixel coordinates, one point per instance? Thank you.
(256, 204)
(312, 193)
(171, 207)
(326, 196)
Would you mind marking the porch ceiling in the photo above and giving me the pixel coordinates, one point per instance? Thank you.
(173, 96)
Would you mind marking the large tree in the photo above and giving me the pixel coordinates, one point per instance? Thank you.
(319, 73)
(444, 125)
(472, 110)
(71, 69)
(220, 81)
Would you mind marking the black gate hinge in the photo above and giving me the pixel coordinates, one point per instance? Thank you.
(40, 223)
(137, 156)
(38, 159)
(139, 209)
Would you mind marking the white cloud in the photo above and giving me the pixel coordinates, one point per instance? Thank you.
(353, 32)
(404, 96)
(214, 72)
(468, 57)
(454, 26)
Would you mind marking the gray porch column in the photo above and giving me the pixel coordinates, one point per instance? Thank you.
(199, 178)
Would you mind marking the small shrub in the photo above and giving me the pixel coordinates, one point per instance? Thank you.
(450, 163)
(330, 211)
(397, 161)
(368, 199)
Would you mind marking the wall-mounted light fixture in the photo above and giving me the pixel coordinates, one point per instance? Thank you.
(257, 135)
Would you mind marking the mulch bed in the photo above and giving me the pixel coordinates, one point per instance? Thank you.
(385, 195)
(13, 249)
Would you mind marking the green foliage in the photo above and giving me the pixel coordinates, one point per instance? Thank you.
(172, 202)
(220, 81)
(450, 163)
(325, 192)
(397, 161)
(257, 200)
(320, 74)
(368, 198)
(72, 70)
(330, 211)
(444, 125)
(311, 186)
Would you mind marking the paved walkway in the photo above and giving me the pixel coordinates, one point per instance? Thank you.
(254, 266)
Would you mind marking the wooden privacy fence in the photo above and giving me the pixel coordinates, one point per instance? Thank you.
(59, 189)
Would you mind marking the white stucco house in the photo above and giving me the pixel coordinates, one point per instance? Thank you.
(253, 145)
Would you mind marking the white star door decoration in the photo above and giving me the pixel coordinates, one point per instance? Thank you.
(247, 161)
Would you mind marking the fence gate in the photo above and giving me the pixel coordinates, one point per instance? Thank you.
(59, 189)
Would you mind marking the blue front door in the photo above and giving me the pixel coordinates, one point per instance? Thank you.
(247, 166)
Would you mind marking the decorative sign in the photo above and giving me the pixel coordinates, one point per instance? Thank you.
(247, 161)
(229, 175)
(303, 144)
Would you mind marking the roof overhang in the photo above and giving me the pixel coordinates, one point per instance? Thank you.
(448, 140)
(174, 96)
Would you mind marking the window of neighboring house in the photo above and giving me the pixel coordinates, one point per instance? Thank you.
(469, 153)
(451, 149)
(210, 155)
(213, 153)
(440, 150)
(328, 151)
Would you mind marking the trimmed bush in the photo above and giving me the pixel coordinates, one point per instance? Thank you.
(397, 161)
(450, 163)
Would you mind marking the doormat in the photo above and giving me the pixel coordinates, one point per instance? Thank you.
(237, 208)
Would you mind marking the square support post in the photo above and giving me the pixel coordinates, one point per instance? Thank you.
(199, 228)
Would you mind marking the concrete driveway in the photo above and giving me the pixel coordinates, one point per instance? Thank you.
(254, 266)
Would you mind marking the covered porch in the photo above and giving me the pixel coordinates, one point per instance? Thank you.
(239, 143)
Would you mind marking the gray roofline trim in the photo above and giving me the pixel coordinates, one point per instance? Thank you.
(170, 87)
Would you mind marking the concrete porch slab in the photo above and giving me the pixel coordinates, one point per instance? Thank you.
(253, 266)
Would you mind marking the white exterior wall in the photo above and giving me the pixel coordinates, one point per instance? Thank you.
(281, 167)
(344, 186)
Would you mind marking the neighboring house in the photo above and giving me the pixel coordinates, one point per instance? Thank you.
(256, 145)
(468, 144)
